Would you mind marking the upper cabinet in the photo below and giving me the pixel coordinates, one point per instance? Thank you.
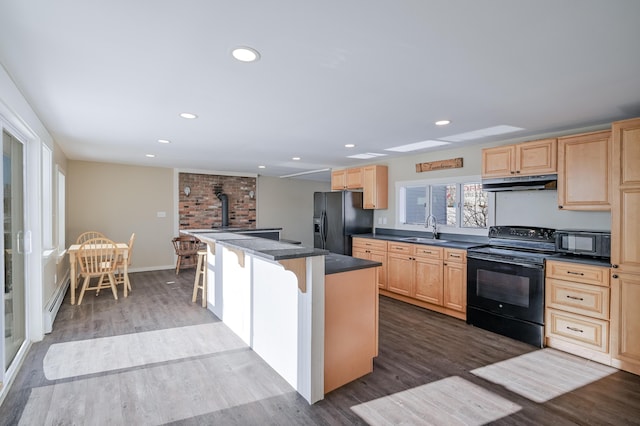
(347, 179)
(373, 180)
(523, 159)
(375, 188)
(584, 171)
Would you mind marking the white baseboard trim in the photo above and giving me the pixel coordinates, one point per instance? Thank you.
(52, 307)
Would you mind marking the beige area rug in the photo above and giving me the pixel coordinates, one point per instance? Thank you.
(157, 394)
(72, 359)
(451, 401)
(545, 374)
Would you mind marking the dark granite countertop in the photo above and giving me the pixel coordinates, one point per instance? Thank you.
(336, 263)
(262, 247)
(606, 263)
(444, 242)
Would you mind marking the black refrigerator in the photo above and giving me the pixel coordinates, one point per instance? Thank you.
(337, 216)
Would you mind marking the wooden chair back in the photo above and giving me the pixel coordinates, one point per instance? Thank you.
(88, 236)
(186, 245)
(97, 256)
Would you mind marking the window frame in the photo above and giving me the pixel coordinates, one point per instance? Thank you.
(459, 181)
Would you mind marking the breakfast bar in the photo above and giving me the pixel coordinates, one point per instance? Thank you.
(310, 314)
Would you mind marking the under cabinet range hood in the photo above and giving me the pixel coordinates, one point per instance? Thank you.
(520, 183)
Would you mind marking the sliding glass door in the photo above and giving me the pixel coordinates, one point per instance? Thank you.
(14, 305)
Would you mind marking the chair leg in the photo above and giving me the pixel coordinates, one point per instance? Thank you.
(178, 264)
(85, 284)
(112, 280)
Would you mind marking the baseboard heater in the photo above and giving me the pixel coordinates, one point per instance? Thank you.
(51, 309)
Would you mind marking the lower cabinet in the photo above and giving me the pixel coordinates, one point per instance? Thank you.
(376, 250)
(577, 309)
(455, 280)
(432, 277)
(625, 321)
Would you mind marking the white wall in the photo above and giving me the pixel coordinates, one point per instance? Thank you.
(287, 203)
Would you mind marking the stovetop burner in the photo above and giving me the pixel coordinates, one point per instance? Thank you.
(517, 243)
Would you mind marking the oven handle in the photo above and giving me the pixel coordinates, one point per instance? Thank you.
(498, 260)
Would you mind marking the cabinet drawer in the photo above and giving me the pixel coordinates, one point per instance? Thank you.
(394, 247)
(454, 255)
(578, 272)
(578, 298)
(587, 332)
(429, 252)
(370, 244)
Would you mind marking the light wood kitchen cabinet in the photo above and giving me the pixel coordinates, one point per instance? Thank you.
(400, 268)
(524, 159)
(432, 277)
(375, 187)
(346, 179)
(625, 321)
(376, 250)
(584, 171)
(339, 180)
(455, 279)
(354, 178)
(428, 284)
(373, 180)
(625, 246)
(577, 309)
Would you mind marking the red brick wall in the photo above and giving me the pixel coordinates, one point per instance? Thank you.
(203, 210)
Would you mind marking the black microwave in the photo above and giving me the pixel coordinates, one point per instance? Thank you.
(585, 243)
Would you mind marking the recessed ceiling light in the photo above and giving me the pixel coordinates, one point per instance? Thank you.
(164, 141)
(150, 155)
(245, 54)
(262, 167)
(296, 158)
(443, 122)
(188, 115)
(416, 146)
(350, 145)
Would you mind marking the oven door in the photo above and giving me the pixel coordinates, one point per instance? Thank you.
(506, 288)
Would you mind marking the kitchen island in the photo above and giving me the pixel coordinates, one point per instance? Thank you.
(278, 299)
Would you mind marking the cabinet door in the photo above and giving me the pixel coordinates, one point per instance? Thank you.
(338, 180)
(584, 167)
(498, 161)
(625, 208)
(428, 280)
(537, 157)
(455, 286)
(360, 252)
(381, 257)
(625, 321)
(399, 273)
(375, 187)
(354, 178)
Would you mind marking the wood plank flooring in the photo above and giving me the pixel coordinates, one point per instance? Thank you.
(424, 373)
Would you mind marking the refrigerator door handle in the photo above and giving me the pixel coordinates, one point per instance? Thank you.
(323, 229)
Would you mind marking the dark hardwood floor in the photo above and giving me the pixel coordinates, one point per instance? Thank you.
(418, 349)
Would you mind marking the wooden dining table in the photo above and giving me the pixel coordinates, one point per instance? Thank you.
(122, 249)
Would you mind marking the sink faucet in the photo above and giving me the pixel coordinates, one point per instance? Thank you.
(433, 223)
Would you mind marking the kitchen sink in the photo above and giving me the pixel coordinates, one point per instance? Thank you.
(423, 240)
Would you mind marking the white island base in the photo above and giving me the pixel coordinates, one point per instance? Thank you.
(277, 307)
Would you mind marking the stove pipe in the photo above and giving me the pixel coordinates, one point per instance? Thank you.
(225, 207)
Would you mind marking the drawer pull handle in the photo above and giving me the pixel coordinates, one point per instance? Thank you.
(575, 329)
(575, 273)
(455, 255)
(574, 297)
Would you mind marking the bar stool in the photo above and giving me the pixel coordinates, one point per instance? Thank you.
(201, 272)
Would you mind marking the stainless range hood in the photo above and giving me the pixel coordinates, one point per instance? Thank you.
(520, 183)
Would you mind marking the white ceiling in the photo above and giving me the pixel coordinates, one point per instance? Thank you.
(108, 79)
